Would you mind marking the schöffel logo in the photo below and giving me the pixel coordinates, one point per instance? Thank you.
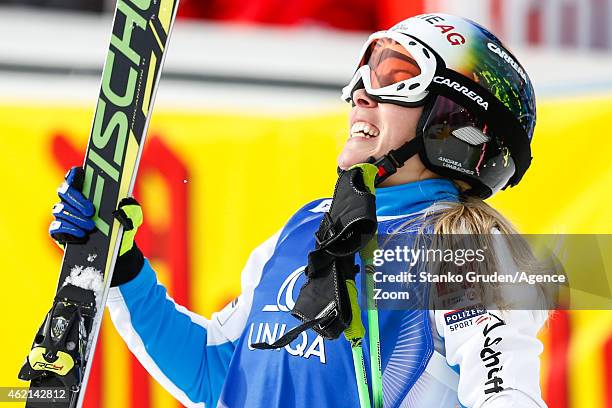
(457, 316)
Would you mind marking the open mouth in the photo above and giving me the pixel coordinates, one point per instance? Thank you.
(364, 130)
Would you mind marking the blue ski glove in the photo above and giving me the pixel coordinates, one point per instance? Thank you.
(73, 214)
(74, 223)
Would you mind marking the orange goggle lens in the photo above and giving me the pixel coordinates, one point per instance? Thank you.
(389, 63)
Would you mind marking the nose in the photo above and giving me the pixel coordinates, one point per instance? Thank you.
(361, 99)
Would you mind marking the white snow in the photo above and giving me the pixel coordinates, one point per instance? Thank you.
(87, 278)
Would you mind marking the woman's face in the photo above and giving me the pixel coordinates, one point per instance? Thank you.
(375, 129)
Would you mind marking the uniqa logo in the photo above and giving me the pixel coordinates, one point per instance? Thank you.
(270, 332)
(301, 347)
(284, 299)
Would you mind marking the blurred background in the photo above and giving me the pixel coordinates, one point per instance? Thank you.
(245, 130)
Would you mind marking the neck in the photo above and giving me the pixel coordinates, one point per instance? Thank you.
(411, 172)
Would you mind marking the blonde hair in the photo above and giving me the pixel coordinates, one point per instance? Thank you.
(470, 216)
(472, 223)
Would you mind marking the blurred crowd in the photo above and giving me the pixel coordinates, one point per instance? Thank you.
(363, 15)
(585, 24)
(82, 5)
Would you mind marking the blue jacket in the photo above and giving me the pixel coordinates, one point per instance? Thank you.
(209, 362)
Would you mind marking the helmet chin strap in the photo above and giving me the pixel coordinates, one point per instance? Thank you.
(389, 163)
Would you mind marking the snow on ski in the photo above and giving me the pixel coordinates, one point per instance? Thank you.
(64, 345)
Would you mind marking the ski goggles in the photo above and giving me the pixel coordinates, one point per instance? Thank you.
(394, 68)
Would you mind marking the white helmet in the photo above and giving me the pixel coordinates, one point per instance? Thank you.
(479, 105)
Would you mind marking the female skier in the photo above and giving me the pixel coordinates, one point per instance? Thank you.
(446, 114)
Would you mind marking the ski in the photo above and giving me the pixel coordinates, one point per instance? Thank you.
(63, 348)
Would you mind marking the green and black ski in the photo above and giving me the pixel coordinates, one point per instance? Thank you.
(63, 349)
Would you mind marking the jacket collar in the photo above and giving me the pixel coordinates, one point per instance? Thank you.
(413, 197)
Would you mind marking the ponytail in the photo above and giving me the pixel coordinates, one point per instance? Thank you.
(471, 216)
(485, 227)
